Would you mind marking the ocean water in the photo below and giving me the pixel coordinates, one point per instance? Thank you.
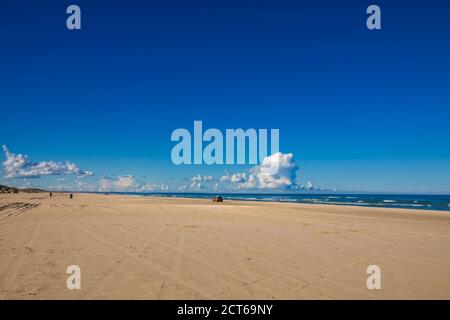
(407, 201)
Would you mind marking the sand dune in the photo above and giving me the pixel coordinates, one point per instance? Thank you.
(165, 248)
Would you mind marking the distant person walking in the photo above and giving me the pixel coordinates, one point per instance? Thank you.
(71, 196)
(51, 194)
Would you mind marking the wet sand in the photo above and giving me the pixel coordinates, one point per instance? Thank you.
(167, 248)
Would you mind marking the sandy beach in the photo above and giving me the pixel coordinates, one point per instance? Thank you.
(168, 248)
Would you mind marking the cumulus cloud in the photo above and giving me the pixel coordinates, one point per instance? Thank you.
(264, 176)
(238, 177)
(308, 186)
(199, 182)
(277, 172)
(197, 186)
(19, 166)
(284, 177)
(120, 183)
(241, 180)
(199, 178)
(128, 183)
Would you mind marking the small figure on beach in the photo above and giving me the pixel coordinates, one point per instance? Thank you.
(51, 194)
(217, 199)
(71, 196)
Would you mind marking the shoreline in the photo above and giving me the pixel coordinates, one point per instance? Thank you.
(307, 199)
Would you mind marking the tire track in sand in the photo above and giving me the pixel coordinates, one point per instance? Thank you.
(156, 268)
(114, 273)
(175, 264)
(16, 264)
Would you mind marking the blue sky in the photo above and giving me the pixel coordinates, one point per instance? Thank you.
(359, 110)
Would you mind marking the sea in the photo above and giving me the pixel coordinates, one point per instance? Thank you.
(405, 201)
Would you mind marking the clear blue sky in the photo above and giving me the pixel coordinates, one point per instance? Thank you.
(360, 110)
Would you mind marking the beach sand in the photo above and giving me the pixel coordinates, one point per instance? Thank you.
(169, 248)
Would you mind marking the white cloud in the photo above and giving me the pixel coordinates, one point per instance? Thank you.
(250, 183)
(284, 178)
(199, 182)
(81, 186)
(128, 183)
(238, 177)
(235, 177)
(307, 186)
(264, 176)
(120, 183)
(199, 178)
(19, 166)
(197, 186)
